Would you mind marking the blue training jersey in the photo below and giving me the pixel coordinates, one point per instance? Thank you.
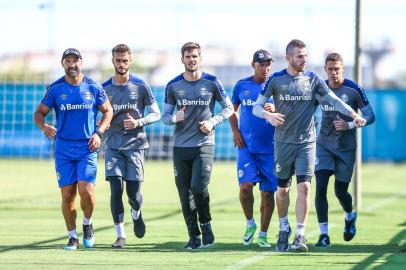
(75, 107)
(257, 132)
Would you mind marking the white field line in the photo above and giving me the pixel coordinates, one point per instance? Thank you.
(384, 202)
(251, 260)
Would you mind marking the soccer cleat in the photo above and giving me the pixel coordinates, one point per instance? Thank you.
(194, 243)
(350, 229)
(299, 243)
(139, 226)
(249, 235)
(324, 241)
(73, 244)
(88, 236)
(207, 234)
(263, 242)
(283, 240)
(120, 243)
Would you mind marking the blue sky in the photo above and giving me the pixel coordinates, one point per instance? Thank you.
(235, 24)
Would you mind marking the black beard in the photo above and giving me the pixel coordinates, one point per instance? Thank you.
(72, 73)
(121, 73)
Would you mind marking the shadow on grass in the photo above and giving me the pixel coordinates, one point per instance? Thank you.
(395, 260)
(46, 244)
(43, 244)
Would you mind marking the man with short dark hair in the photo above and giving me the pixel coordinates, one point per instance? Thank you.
(253, 138)
(126, 140)
(294, 92)
(336, 147)
(194, 94)
(76, 99)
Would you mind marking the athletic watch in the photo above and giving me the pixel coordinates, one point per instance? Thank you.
(99, 133)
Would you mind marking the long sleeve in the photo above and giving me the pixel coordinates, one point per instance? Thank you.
(168, 118)
(154, 114)
(258, 109)
(225, 113)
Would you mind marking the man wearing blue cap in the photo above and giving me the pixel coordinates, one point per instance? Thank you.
(75, 99)
(253, 137)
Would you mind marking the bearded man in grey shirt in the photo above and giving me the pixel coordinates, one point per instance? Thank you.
(194, 94)
(126, 140)
(295, 93)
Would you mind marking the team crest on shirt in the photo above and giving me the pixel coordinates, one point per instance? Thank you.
(304, 85)
(87, 95)
(240, 173)
(63, 96)
(278, 167)
(133, 94)
(344, 98)
(203, 91)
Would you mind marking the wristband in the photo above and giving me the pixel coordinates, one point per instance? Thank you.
(99, 133)
(351, 125)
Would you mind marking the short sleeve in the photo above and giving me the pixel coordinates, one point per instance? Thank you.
(48, 99)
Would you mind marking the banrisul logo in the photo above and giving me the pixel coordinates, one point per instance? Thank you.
(288, 97)
(68, 107)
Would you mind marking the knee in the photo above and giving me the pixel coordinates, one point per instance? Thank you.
(199, 191)
(246, 189)
(303, 188)
(321, 188)
(339, 193)
(282, 193)
(267, 197)
(68, 197)
(86, 192)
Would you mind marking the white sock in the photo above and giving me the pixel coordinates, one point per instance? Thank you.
(349, 215)
(120, 230)
(87, 221)
(323, 228)
(251, 222)
(73, 234)
(284, 224)
(262, 234)
(300, 229)
(135, 214)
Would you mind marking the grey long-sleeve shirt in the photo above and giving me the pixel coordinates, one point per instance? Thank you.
(132, 98)
(296, 98)
(353, 95)
(199, 99)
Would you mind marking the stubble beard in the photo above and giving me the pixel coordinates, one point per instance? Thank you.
(72, 72)
(119, 72)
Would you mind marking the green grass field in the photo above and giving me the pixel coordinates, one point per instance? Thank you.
(32, 231)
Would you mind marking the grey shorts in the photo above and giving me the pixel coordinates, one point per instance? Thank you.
(340, 162)
(129, 164)
(293, 159)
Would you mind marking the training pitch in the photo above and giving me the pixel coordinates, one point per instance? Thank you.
(33, 234)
